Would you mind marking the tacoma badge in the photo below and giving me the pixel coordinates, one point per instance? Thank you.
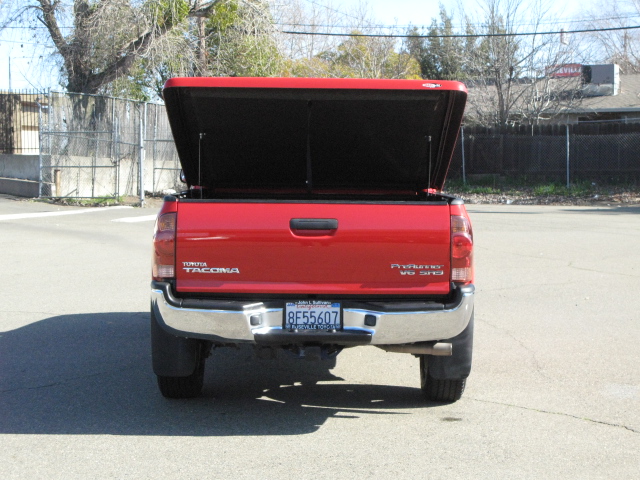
(201, 267)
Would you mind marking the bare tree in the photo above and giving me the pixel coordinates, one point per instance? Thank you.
(3, 15)
(99, 41)
(358, 54)
(509, 71)
(617, 46)
(372, 57)
(314, 17)
(544, 93)
(308, 55)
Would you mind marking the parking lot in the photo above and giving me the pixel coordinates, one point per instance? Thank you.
(554, 390)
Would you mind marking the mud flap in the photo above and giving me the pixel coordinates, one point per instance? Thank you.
(172, 356)
(458, 365)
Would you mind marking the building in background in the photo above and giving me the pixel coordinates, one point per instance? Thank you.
(20, 119)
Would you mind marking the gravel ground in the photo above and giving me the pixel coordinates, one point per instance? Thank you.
(608, 197)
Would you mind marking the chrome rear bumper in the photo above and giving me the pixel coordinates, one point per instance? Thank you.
(258, 322)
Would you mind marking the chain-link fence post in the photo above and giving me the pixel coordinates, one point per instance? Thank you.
(154, 152)
(40, 146)
(141, 156)
(116, 152)
(568, 163)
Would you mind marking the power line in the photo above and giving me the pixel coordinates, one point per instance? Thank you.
(393, 35)
(374, 26)
(469, 35)
(396, 27)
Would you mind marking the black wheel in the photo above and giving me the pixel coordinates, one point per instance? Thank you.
(183, 387)
(443, 379)
(436, 390)
(178, 362)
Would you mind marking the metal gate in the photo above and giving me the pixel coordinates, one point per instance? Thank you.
(103, 147)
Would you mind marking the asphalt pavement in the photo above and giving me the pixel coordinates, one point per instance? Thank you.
(554, 391)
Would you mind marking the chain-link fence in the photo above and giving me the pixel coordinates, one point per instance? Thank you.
(159, 146)
(94, 146)
(604, 153)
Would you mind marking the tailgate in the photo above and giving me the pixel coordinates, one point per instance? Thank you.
(313, 248)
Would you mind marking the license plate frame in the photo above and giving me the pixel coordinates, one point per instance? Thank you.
(323, 315)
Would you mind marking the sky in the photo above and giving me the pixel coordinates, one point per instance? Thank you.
(420, 12)
(405, 12)
(20, 52)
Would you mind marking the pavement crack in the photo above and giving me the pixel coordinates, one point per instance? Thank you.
(22, 312)
(593, 270)
(531, 352)
(524, 286)
(66, 380)
(562, 414)
(37, 387)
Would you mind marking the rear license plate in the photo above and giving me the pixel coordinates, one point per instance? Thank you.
(313, 315)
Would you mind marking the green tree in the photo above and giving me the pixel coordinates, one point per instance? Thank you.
(439, 54)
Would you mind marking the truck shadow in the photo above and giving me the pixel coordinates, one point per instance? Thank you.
(91, 374)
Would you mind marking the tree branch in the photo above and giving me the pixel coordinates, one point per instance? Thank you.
(204, 9)
(51, 22)
(138, 47)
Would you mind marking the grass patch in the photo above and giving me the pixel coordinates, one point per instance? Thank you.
(105, 201)
(479, 189)
(580, 189)
(92, 202)
(512, 187)
(549, 189)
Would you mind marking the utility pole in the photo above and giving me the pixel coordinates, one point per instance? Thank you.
(563, 37)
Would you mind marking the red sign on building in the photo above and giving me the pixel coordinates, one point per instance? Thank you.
(566, 70)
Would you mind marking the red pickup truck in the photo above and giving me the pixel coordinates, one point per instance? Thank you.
(314, 220)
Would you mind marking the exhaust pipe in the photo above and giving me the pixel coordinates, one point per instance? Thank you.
(425, 348)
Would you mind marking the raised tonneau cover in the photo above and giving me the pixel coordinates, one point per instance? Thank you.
(315, 134)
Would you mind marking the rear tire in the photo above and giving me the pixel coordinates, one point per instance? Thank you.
(446, 391)
(443, 379)
(178, 362)
(183, 387)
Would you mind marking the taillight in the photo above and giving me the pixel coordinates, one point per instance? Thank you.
(164, 247)
(461, 250)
